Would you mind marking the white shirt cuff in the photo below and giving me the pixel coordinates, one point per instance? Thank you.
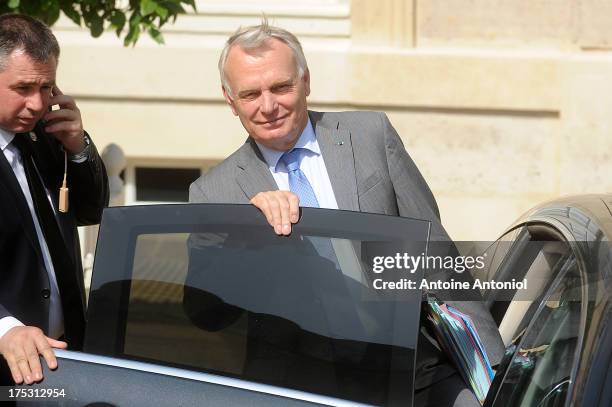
(8, 323)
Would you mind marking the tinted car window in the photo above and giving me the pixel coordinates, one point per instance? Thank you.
(496, 252)
(531, 253)
(541, 369)
(212, 288)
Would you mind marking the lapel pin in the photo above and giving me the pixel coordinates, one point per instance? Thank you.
(33, 136)
(340, 143)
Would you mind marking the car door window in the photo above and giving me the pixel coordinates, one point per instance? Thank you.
(540, 372)
(531, 253)
(212, 288)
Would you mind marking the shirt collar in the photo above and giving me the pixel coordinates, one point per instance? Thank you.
(307, 141)
(5, 138)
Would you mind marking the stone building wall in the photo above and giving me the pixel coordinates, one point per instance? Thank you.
(502, 104)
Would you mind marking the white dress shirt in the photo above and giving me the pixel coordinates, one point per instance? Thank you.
(311, 164)
(56, 319)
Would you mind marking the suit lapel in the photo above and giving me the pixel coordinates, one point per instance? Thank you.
(15, 195)
(253, 173)
(337, 151)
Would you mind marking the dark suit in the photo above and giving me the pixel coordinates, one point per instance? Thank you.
(24, 287)
(370, 171)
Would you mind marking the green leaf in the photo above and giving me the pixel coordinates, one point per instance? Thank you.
(191, 3)
(172, 7)
(13, 3)
(135, 19)
(32, 8)
(118, 19)
(156, 35)
(53, 13)
(162, 12)
(147, 7)
(97, 26)
(71, 12)
(132, 35)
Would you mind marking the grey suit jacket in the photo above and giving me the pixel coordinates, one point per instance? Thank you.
(370, 171)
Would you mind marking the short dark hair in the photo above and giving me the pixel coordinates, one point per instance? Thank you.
(20, 32)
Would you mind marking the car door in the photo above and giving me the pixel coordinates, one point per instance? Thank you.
(560, 349)
(542, 326)
(541, 362)
(204, 304)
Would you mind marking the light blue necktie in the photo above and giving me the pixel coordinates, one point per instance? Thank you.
(298, 183)
(344, 313)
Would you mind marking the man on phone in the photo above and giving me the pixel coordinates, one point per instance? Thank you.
(42, 301)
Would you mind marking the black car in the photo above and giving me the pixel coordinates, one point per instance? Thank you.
(285, 330)
(559, 337)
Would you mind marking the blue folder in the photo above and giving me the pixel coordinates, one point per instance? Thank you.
(457, 335)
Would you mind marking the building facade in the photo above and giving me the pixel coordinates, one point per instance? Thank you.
(502, 104)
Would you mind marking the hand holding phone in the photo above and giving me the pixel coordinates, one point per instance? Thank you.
(65, 123)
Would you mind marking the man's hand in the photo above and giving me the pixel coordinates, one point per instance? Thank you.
(21, 346)
(281, 209)
(65, 123)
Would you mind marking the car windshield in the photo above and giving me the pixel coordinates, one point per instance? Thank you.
(212, 288)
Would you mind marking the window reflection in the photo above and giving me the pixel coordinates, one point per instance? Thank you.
(293, 312)
(540, 373)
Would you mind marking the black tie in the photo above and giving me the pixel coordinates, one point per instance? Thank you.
(70, 293)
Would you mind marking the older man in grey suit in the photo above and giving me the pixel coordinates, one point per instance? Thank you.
(296, 157)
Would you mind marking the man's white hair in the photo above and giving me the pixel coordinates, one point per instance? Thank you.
(253, 37)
